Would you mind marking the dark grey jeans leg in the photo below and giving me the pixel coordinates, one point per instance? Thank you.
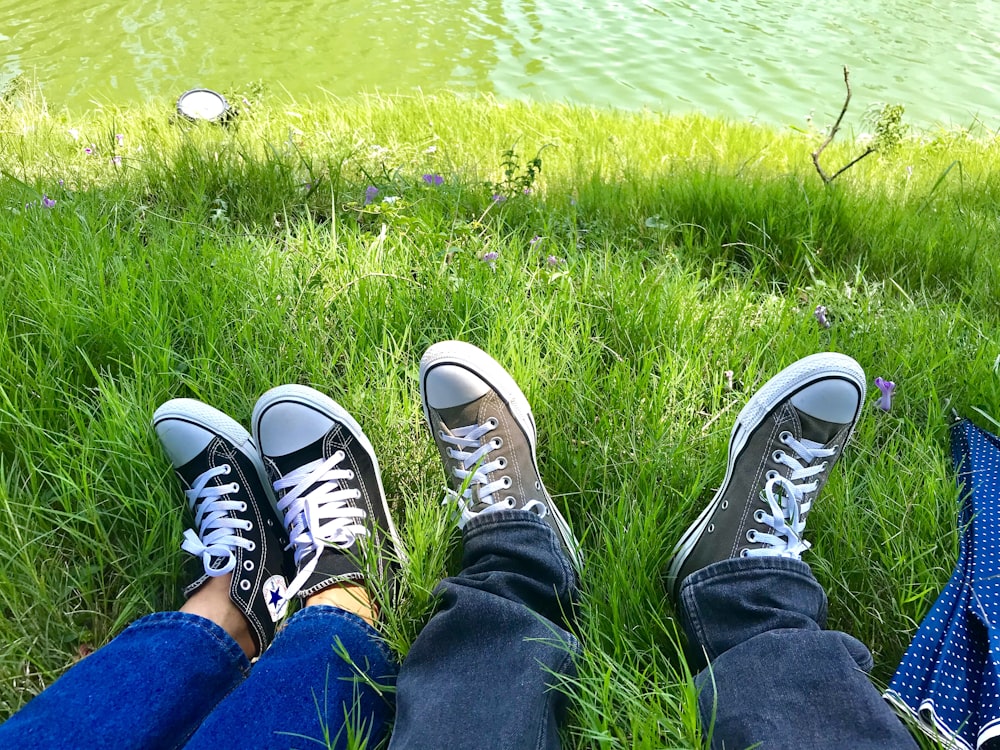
(481, 674)
(775, 679)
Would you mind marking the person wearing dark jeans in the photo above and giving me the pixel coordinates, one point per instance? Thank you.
(771, 677)
(307, 482)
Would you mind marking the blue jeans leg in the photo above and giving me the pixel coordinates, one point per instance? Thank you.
(149, 688)
(481, 672)
(325, 681)
(775, 677)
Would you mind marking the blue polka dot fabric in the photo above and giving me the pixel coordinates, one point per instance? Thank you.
(949, 678)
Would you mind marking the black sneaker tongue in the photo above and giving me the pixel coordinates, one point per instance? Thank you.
(817, 430)
(292, 461)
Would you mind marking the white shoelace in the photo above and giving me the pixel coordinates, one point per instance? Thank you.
(473, 470)
(788, 507)
(325, 517)
(214, 538)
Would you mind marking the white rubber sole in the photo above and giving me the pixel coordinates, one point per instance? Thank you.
(481, 364)
(778, 389)
(221, 424)
(310, 397)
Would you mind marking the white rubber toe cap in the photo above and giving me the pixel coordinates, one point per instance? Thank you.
(832, 400)
(287, 426)
(450, 385)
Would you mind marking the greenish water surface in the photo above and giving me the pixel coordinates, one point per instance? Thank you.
(775, 61)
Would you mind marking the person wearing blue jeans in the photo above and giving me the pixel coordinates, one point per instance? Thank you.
(297, 510)
(771, 677)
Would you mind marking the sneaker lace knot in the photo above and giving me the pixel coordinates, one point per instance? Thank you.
(473, 466)
(319, 512)
(215, 541)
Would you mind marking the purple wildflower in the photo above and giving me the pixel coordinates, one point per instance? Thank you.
(61, 183)
(491, 256)
(820, 315)
(116, 160)
(370, 194)
(88, 150)
(47, 202)
(535, 240)
(527, 191)
(886, 387)
(498, 198)
(728, 375)
(433, 179)
(554, 261)
(120, 138)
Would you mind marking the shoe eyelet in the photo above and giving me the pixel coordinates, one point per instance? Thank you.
(744, 552)
(248, 565)
(245, 584)
(758, 516)
(234, 487)
(350, 475)
(751, 535)
(243, 507)
(249, 526)
(493, 422)
(725, 504)
(251, 546)
(502, 462)
(441, 434)
(511, 502)
(270, 523)
(771, 475)
(777, 456)
(507, 482)
(823, 466)
(226, 468)
(785, 437)
(835, 448)
(497, 443)
(538, 485)
(357, 494)
(711, 528)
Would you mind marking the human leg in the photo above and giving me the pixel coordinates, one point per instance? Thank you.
(328, 676)
(749, 605)
(484, 671)
(154, 684)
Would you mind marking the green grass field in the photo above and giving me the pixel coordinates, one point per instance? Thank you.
(649, 256)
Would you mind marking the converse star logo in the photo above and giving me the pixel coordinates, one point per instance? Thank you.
(274, 595)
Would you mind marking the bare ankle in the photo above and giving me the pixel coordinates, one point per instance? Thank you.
(349, 597)
(212, 602)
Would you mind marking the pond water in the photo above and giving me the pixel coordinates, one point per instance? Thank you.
(774, 61)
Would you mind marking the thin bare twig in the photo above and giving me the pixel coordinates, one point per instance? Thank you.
(827, 179)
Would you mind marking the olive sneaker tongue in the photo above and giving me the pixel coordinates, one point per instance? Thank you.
(817, 430)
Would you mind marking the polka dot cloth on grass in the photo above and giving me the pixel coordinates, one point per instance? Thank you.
(949, 678)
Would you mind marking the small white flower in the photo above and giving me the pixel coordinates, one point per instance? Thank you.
(431, 150)
(75, 133)
(390, 199)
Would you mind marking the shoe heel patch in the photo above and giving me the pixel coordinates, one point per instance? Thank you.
(274, 589)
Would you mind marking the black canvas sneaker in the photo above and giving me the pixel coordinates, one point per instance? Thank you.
(235, 527)
(784, 444)
(483, 427)
(329, 489)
